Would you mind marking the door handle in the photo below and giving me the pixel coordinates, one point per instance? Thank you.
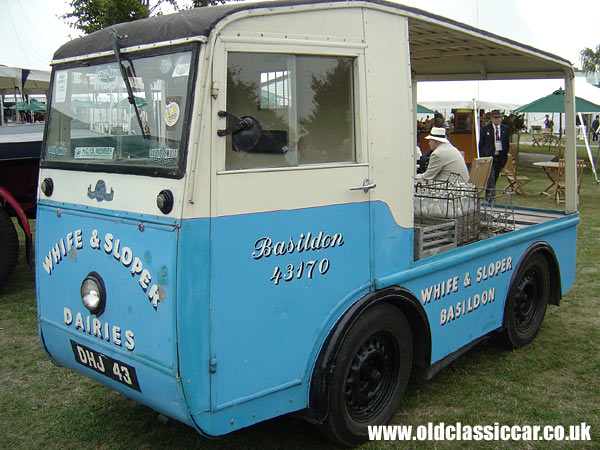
(366, 186)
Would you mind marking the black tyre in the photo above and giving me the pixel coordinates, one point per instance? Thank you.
(527, 301)
(9, 246)
(370, 375)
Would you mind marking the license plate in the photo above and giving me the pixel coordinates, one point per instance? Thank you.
(105, 365)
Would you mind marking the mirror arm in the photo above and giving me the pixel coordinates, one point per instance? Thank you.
(234, 123)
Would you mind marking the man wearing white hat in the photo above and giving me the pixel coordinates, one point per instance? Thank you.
(445, 159)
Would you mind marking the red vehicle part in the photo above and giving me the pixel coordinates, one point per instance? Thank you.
(16, 206)
(20, 148)
(8, 198)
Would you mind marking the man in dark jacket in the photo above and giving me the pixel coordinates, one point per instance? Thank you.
(494, 141)
(595, 125)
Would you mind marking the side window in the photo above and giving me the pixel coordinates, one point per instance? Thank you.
(304, 105)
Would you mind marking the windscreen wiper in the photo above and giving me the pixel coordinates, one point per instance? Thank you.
(130, 96)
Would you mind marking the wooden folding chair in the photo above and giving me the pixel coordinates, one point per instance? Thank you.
(512, 153)
(560, 179)
(560, 145)
(515, 182)
(546, 136)
(479, 174)
(537, 139)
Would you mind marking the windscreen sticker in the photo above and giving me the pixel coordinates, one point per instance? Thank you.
(57, 150)
(182, 69)
(106, 75)
(172, 111)
(60, 86)
(94, 152)
(166, 64)
(164, 155)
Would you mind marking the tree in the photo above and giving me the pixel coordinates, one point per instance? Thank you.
(590, 59)
(93, 15)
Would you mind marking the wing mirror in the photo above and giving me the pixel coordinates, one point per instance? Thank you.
(245, 131)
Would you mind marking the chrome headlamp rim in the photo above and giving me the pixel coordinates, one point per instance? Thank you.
(93, 293)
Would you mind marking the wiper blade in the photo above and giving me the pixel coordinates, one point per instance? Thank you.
(130, 96)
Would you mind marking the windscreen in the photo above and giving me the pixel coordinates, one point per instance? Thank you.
(95, 125)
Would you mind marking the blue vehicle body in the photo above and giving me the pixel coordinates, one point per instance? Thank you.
(228, 347)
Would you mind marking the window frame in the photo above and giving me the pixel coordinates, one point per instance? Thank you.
(177, 172)
(308, 48)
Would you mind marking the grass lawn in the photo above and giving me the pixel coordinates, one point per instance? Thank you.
(553, 381)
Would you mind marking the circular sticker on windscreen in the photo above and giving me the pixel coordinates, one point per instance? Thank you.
(172, 111)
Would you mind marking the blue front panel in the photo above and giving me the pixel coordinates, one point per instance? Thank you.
(135, 256)
(278, 279)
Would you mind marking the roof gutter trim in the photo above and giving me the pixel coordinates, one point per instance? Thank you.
(476, 76)
(135, 48)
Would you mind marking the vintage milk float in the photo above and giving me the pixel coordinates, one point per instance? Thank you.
(227, 223)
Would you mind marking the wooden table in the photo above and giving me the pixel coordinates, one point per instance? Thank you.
(547, 140)
(551, 171)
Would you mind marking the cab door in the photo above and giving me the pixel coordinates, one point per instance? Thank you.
(290, 207)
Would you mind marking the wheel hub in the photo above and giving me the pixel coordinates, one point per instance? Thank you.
(370, 377)
(526, 300)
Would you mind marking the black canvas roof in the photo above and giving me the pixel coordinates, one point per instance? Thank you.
(194, 22)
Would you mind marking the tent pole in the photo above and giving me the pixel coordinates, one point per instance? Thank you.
(570, 145)
(476, 125)
(589, 150)
(16, 107)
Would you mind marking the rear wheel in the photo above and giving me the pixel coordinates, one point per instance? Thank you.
(370, 375)
(526, 304)
(9, 245)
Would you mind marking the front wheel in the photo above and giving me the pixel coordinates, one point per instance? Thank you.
(526, 303)
(371, 372)
(9, 246)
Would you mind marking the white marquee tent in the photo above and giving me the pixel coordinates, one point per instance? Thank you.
(503, 95)
(31, 32)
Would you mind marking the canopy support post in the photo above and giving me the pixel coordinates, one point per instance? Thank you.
(414, 100)
(414, 114)
(571, 197)
(589, 150)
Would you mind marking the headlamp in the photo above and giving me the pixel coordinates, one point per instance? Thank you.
(93, 293)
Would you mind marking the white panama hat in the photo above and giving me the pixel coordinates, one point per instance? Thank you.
(437, 134)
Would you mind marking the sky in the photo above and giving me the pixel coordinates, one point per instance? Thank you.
(549, 25)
